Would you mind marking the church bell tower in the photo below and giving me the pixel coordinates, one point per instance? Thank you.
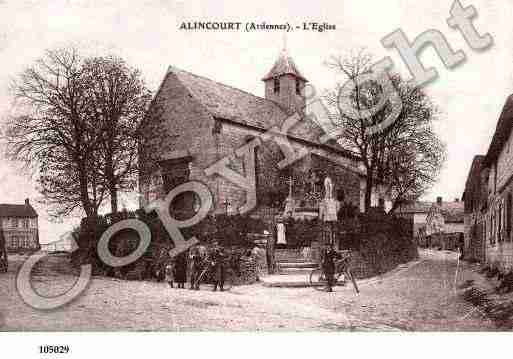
(285, 85)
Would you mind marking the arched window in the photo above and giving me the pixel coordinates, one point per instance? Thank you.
(276, 85)
(499, 223)
(298, 87)
(508, 216)
(257, 173)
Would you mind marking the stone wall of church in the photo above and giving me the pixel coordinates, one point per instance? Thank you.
(184, 126)
(230, 138)
(272, 182)
(190, 129)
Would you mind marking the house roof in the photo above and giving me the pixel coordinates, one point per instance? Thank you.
(284, 65)
(451, 211)
(474, 168)
(415, 207)
(473, 177)
(502, 132)
(232, 104)
(17, 210)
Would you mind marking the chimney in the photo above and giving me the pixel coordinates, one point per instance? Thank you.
(439, 201)
(27, 202)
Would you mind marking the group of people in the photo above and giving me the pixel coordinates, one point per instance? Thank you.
(213, 260)
(176, 271)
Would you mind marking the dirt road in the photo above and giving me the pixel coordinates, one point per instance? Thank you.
(419, 296)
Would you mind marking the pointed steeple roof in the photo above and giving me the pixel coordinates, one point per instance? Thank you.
(284, 66)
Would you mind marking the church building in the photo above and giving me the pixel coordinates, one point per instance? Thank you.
(202, 122)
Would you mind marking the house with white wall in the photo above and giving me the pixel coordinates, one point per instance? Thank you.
(498, 181)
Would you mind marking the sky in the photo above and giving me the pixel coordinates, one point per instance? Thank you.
(146, 34)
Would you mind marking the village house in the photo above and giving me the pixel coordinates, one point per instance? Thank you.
(19, 226)
(438, 224)
(418, 212)
(475, 196)
(490, 216)
(205, 121)
(445, 224)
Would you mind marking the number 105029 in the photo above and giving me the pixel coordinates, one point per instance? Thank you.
(53, 349)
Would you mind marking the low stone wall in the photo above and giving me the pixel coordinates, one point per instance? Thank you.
(248, 271)
(302, 254)
(261, 261)
(360, 268)
(500, 255)
(378, 243)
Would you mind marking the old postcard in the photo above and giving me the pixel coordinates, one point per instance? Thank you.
(184, 166)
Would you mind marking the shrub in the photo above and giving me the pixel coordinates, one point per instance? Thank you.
(506, 283)
(230, 231)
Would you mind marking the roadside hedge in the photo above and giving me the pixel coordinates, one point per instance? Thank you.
(378, 241)
(229, 231)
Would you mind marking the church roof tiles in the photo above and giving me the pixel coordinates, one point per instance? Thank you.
(230, 103)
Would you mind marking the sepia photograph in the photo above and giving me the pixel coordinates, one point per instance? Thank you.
(271, 167)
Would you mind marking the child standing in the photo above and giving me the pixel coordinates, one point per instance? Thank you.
(169, 271)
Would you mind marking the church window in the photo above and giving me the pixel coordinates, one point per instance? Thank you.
(508, 215)
(276, 85)
(499, 223)
(298, 88)
(247, 140)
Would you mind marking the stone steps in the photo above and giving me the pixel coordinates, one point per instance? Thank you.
(304, 268)
(286, 271)
(284, 265)
(291, 281)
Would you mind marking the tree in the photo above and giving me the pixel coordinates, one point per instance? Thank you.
(406, 155)
(52, 133)
(80, 122)
(119, 103)
(59, 186)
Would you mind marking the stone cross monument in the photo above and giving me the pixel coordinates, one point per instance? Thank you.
(328, 211)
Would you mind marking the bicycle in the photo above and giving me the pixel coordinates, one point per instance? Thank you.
(206, 279)
(317, 278)
(3, 266)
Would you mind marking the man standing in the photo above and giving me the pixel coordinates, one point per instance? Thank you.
(328, 267)
(196, 267)
(180, 274)
(3, 254)
(219, 267)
